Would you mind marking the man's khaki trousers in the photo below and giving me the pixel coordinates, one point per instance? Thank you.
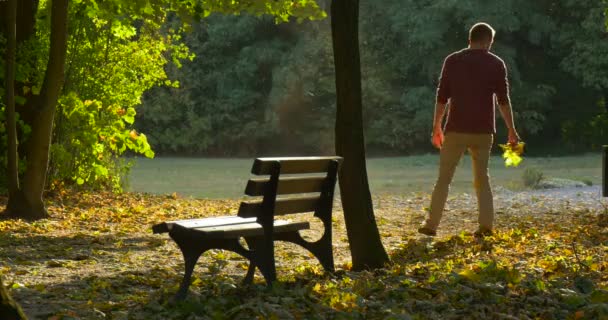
(454, 145)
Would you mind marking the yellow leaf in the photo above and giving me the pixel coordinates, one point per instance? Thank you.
(17, 285)
(469, 274)
(317, 288)
(197, 282)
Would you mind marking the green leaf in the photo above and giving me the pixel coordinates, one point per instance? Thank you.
(129, 116)
(599, 296)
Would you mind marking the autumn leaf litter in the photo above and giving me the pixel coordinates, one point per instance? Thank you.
(96, 258)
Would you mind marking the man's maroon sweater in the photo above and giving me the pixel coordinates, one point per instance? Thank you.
(469, 80)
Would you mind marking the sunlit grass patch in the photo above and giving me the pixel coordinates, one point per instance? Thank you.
(226, 178)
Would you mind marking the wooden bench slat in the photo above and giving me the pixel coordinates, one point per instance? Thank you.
(250, 229)
(293, 165)
(192, 223)
(282, 206)
(291, 185)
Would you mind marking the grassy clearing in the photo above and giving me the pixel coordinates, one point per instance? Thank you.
(225, 178)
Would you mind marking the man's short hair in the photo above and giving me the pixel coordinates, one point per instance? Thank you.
(481, 31)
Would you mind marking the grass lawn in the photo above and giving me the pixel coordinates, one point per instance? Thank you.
(225, 178)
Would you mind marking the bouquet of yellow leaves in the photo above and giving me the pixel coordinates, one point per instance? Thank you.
(512, 153)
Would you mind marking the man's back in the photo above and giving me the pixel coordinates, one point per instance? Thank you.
(470, 78)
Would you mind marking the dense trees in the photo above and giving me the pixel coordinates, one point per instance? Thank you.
(555, 51)
(107, 54)
(256, 87)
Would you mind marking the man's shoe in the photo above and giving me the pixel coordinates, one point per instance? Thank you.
(483, 232)
(427, 231)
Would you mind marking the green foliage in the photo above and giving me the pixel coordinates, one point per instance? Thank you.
(586, 57)
(593, 130)
(117, 50)
(302, 96)
(97, 135)
(111, 63)
(228, 106)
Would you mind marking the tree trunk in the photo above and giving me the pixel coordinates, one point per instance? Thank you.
(363, 236)
(9, 310)
(11, 119)
(28, 203)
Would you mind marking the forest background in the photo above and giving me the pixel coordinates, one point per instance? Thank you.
(242, 86)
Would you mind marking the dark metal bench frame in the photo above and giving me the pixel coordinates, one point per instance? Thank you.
(255, 221)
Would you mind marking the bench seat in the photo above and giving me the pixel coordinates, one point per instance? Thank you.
(229, 227)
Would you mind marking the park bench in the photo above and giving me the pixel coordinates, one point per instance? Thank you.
(292, 185)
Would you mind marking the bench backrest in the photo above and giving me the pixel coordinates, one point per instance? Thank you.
(293, 185)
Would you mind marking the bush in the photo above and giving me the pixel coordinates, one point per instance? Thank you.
(532, 178)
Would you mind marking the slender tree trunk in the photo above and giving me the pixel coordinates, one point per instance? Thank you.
(11, 119)
(363, 236)
(9, 310)
(28, 203)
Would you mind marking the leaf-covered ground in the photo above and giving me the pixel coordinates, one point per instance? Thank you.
(96, 258)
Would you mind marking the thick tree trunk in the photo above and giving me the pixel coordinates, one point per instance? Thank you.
(29, 204)
(363, 236)
(9, 310)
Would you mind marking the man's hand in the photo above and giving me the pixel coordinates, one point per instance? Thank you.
(437, 138)
(513, 137)
(437, 135)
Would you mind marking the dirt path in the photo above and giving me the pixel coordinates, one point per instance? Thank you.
(570, 192)
(589, 197)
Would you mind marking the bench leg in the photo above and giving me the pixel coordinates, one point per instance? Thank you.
(191, 256)
(324, 253)
(251, 244)
(267, 268)
(265, 260)
(262, 258)
(250, 273)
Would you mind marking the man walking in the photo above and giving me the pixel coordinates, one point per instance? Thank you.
(471, 80)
